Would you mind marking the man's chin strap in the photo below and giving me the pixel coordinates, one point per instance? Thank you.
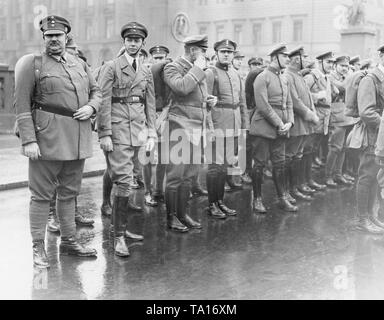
(322, 66)
(278, 61)
(301, 62)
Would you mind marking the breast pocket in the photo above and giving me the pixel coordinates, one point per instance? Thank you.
(120, 90)
(51, 83)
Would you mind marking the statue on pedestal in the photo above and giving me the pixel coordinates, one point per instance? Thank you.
(356, 13)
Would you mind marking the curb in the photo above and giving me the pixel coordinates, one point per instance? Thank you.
(24, 184)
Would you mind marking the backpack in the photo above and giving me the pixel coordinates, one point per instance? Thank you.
(37, 66)
(351, 90)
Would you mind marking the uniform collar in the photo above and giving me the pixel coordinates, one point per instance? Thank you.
(130, 59)
(274, 70)
(221, 66)
(63, 58)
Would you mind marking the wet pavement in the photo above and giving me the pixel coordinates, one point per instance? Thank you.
(309, 255)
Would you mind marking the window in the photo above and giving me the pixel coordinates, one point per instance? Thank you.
(219, 33)
(257, 32)
(276, 32)
(109, 27)
(3, 32)
(238, 34)
(298, 31)
(88, 30)
(203, 30)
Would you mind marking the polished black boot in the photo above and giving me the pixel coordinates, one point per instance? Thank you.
(132, 206)
(119, 211)
(257, 182)
(331, 183)
(246, 178)
(83, 221)
(198, 191)
(40, 259)
(316, 186)
(53, 224)
(278, 178)
(339, 179)
(106, 207)
(70, 247)
(289, 182)
(296, 178)
(366, 225)
(185, 219)
(220, 190)
(212, 185)
(173, 222)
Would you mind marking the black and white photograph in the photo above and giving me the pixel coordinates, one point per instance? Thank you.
(197, 153)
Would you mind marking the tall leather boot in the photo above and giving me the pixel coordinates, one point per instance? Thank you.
(173, 221)
(307, 174)
(296, 176)
(53, 224)
(119, 209)
(183, 198)
(232, 184)
(221, 179)
(197, 190)
(304, 187)
(40, 259)
(257, 182)
(279, 179)
(212, 185)
(289, 182)
(127, 233)
(106, 207)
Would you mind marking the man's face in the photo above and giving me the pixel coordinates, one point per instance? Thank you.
(284, 60)
(357, 65)
(225, 56)
(254, 66)
(55, 43)
(237, 62)
(158, 57)
(342, 68)
(328, 65)
(133, 45)
(196, 52)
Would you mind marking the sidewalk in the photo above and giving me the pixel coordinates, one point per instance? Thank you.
(14, 166)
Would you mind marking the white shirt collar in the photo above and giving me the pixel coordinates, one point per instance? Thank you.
(130, 59)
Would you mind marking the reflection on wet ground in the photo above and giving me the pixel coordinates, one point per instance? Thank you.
(309, 255)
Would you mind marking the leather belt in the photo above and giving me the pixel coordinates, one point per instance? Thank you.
(227, 106)
(278, 106)
(134, 99)
(56, 110)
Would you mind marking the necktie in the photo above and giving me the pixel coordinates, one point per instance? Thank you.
(134, 66)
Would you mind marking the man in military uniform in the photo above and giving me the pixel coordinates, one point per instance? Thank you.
(188, 120)
(55, 97)
(126, 124)
(320, 85)
(355, 63)
(371, 104)
(229, 117)
(152, 198)
(340, 126)
(238, 60)
(270, 125)
(254, 63)
(305, 119)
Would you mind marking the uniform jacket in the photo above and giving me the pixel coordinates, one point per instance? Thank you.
(273, 104)
(67, 85)
(317, 83)
(187, 102)
(230, 92)
(371, 104)
(127, 122)
(338, 117)
(303, 106)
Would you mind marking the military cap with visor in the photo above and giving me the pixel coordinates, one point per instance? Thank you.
(342, 59)
(326, 56)
(159, 50)
(299, 51)
(200, 40)
(134, 30)
(381, 49)
(354, 60)
(225, 44)
(256, 61)
(366, 63)
(238, 54)
(279, 49)
(54, 25)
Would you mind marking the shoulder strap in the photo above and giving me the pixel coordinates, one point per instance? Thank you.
(315, 80)
(216, 91)
(37, 65)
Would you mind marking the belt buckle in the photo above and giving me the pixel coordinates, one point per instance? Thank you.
(135, 99)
